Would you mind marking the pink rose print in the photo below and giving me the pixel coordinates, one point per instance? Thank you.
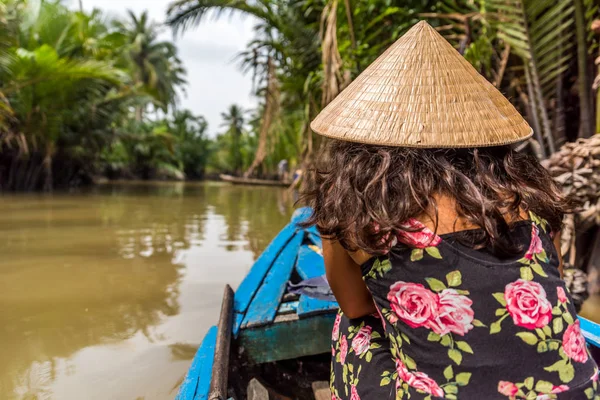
(536, 243)
(422, 236)
(362, 340)
(508, 389)
(454, 313)
(334, 397)
(527, 304)
(343, 349)
(562, 297)
(417, 380)
(574, 343)
(335, 333)
(354, 393)
(413, 303)
(559, 389)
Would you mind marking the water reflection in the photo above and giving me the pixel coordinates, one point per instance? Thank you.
(109, 291)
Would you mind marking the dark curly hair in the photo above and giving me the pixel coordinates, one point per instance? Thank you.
(354, 185)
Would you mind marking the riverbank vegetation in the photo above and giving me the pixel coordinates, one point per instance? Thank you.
(84, 96)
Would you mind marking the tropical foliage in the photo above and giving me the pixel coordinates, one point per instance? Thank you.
(538, 52)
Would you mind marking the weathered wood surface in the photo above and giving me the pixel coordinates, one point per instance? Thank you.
(265, 304)
(196, 384)
(310, 264)
(309, 306)
(255, 182)
(253, 280)
(288, 339)
(321, 390)
(288, 308)
(256, 391)
(218, 383)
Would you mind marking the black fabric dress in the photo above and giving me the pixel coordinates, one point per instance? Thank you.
(459, 323)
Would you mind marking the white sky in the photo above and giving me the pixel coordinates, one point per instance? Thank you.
(214, 78)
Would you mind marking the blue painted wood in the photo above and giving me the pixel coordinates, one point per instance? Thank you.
(196, 384)
(309, 306)
(289, 339)
(316, 239)
(288, 308)
(591, 331)
(249, 286)
(310, 263)
(264, 306)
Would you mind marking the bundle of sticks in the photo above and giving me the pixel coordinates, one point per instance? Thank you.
(576, 167)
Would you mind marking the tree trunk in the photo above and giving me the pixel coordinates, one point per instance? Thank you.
(47, 163)
(534, 112)
(271, 106)
(586, 116)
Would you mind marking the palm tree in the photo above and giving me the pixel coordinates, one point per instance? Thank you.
(234, 121)
(154, 63)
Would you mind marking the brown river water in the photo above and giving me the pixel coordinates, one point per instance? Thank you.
(106, 293)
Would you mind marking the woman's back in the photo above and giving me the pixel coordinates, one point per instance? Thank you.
(465, 323)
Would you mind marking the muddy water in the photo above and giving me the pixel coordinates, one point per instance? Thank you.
(106, 294)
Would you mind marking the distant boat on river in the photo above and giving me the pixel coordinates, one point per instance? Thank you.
(270, 343)
(250, 181)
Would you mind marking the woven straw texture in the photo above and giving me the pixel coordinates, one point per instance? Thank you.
(422, 93)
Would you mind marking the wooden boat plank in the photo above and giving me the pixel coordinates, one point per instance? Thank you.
(591, 331)
(310, 263)
(196, 384)
(288, 308)
(310, 306)
(220, 370)
(251, 283)
(287, 340)
(237, 323)
(321, 390)
(264, 306)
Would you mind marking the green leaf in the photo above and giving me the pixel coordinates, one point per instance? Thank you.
(433, 252)
(464, 346)
(416, 255)
(405, 338)
(557, 325)
(568, 318)
(446, 340)
(409, 362)
(385, 373)
(448, 372)
(454, 278)
(369, 356)
(589, 392)
(566, 373)
(556, 310)
(546, 329)
(553, 345)
(540, 333)
(374, 346)
(375, 335)
(385, 381)
(479, 324)
(543, 387)
(463, 292)
(556, 366)
(433, 337)
(542, 347)
(529, 383)
(463, 378)
(451, 389)
(351, 368)
(451, 396)
(528, 337)
(455, 356)
(538, 270)
(526, 273)
(500, 312)
(435, 285)
(495, 327)
(500, 298)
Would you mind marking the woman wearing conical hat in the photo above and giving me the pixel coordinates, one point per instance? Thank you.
(439, 239)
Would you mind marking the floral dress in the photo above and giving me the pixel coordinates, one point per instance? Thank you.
(459, 323)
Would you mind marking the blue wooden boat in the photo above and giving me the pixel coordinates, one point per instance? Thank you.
(280, 338)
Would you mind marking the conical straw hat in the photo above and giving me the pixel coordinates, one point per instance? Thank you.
(422, 93)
